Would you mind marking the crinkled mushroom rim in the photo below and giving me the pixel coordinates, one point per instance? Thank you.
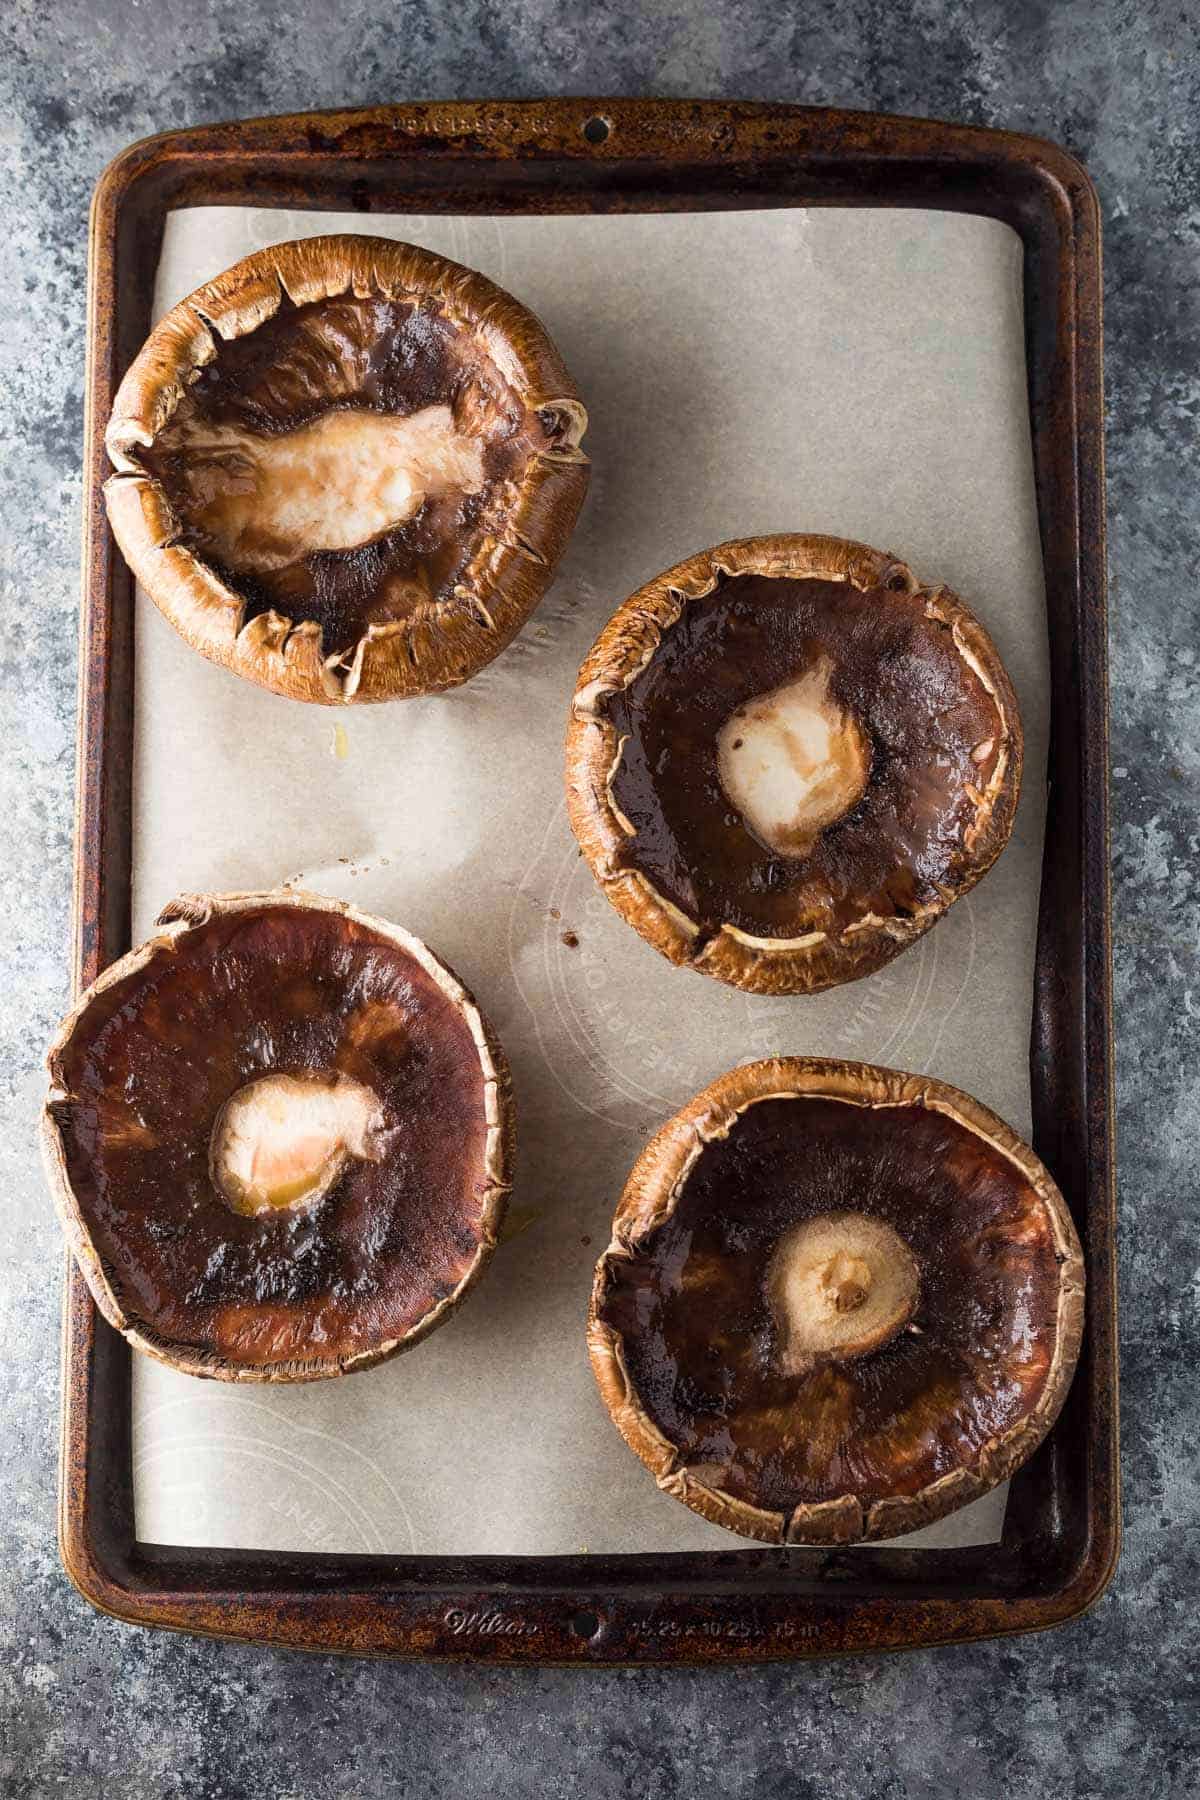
(186, 913)
(628, 644)
(653, 1191)
(236, 303)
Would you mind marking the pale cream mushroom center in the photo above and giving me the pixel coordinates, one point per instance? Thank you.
(334, 484)
(283, 1140)
(792, 761)
(840, 1286)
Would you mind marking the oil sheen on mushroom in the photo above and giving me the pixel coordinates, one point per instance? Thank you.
(799, 755)
(277, 1134)
(843, 1300)
(336, 463)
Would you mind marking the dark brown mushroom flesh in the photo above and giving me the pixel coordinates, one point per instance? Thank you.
(346, 468)
(334, 464)
(799, 754)
(278, 1139)
(828, 1320)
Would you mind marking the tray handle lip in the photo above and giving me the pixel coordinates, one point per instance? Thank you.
(886, 137)
(118, 1598)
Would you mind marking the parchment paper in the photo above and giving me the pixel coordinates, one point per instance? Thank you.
(856, 372)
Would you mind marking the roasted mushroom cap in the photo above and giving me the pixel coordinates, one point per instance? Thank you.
(279, 1136)
(839, 1302)
(346, 468)
(786, 758)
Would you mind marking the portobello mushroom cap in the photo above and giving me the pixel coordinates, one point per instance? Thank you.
(346, 468)
(786, 758)
(279, 1136)
(839, 1302)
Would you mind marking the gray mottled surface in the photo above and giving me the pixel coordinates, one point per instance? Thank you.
(1100, 1707)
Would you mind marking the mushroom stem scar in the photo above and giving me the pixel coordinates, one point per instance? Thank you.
(846, 1281)
(841, 1286)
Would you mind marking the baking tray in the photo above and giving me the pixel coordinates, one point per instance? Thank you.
(1062, 1527)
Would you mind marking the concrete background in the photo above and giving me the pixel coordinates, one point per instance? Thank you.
(1101, 1707)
